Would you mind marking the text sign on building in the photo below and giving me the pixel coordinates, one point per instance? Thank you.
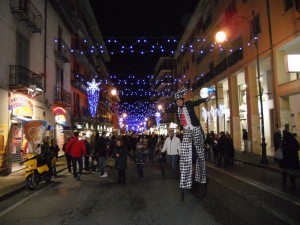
(21, 105)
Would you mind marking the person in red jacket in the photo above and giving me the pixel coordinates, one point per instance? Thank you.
(76, 148)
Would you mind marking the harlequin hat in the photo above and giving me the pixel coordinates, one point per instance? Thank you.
(180, 93)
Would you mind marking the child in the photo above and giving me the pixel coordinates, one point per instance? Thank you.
(141, 156)
(120, 155)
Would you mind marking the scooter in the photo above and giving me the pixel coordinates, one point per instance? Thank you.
(37, 170)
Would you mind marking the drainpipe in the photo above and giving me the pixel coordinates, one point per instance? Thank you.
(272, 65)
(45, 46)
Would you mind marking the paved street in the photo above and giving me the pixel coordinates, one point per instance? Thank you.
(241, 194)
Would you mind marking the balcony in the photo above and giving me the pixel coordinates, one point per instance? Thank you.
(62, 97)
(236, 56)
(28, 14)
(221, 67)
(62, 50)
(78, 84)
(86, 60)
(23, 80)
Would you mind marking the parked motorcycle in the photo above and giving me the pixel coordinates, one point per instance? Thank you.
(37, 170)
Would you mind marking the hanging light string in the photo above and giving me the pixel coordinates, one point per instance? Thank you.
(137, 114)
(140, 46)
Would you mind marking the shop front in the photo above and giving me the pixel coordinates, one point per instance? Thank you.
(21, 108)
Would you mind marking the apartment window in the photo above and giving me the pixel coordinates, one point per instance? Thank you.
(230, 11)
(76, 104)
(76, 67)
(256, 28)
(59, 36)
(22, 51)
(59, 77)
(288, 4)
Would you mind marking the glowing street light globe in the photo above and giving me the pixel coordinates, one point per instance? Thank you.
(113, 91)
(204, 93)
(207, 93)
(220, 36)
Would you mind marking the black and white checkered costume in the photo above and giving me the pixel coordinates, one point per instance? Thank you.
(195, 135)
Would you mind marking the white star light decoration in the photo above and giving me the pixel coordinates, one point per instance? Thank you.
(93, 96)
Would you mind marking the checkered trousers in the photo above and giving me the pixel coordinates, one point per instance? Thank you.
(189, 135)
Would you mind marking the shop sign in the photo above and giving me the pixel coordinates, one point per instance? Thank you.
(60, 113)
(21, 105)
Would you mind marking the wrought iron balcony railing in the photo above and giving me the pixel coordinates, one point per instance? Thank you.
(62, 97)
(23, 79)
(26, 12)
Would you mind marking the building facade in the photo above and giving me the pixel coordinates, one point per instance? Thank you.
(255, 90)
(163, 84)
(46, 63)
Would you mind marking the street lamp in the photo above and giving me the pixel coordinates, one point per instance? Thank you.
(114, 92)
(220, 35)
(159, 107)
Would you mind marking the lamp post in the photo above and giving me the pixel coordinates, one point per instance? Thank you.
(264, 159)
(221, 37)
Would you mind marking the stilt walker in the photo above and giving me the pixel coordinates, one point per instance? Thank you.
(192, 133)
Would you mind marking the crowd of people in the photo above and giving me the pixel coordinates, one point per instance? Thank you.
(221, 147)
(91, 154)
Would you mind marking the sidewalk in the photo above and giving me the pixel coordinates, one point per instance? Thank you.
(15, 182)
(255, 160)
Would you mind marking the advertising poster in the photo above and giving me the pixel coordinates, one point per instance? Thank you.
(3, 146)
(34, 131)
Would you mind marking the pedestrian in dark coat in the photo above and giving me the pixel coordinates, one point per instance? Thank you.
(152, 141)
(223, 147)
(133, 140)
(290, 161)
(87, 156)
(120, 155)
(102, 155)
(141, 156)
(231, 149)
(68, 155)
(53, 150)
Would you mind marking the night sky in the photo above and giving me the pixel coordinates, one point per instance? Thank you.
(128, 20)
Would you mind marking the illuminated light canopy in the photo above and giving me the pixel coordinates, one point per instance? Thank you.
(93, 96)
(59, 111)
